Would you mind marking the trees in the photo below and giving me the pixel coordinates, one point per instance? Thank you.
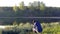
(15, 8)
(21, 6)
(31, 6)
(42, 6)
(36, 4)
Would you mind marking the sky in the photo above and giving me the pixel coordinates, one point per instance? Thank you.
(48, 3)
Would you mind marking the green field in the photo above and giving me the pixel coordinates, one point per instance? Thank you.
(48, 28)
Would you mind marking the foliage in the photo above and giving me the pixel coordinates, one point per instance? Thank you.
(15, 8)
(15, 23)
(40, 10)
(42, 6)
(49, 29)
(21, 6)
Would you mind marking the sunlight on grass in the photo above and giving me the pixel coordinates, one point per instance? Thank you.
(48, 28)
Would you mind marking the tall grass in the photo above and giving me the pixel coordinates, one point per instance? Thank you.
(48, 28)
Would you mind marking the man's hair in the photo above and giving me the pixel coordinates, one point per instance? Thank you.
(35, 20)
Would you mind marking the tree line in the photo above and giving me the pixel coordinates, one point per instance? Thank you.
(35, 9)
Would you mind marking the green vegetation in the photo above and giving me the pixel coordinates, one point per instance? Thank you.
(48, 28)
(34, 9)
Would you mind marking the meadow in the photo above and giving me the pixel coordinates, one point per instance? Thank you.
(48, 28)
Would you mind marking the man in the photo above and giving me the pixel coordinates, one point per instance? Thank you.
(37, 28)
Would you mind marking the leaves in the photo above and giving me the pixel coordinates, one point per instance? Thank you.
(42, 6)
(15, 8)
(21, 6)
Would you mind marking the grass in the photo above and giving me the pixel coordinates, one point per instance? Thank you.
(48, 28)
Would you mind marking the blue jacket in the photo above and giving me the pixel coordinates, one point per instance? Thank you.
(39, 27)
